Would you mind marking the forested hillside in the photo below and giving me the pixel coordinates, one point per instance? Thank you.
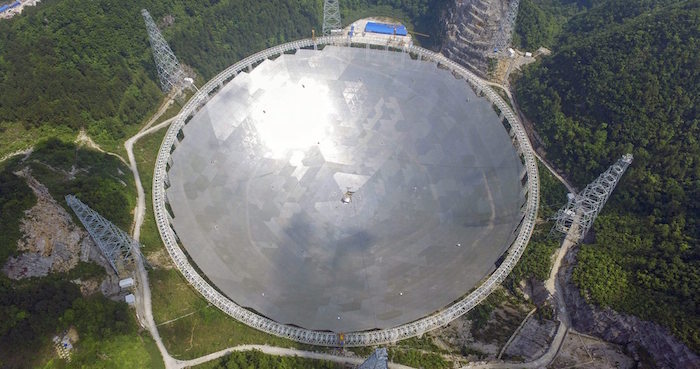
(70, 64)
(625, 77)
(540, 22)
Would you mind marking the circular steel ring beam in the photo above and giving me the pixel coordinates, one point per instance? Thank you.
(351, 339)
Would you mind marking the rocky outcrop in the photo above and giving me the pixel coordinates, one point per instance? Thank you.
(471, 28)
(51, 242)
(624, 329)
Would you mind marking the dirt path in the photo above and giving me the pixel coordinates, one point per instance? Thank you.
(161, 110)
(26, 152)
(144, 310)
(84, 139)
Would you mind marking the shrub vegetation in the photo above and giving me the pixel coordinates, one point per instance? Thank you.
(624, 77)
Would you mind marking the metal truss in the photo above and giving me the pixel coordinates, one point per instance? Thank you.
(331, 16)
(353, 339)
(505, 29)
(169, 71)
(378, 360)
(580, 211)
(116, 245)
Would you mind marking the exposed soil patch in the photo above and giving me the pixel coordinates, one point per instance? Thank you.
(532, 341)
(586, 352)
(478, 340)
(160, 259)
(51, 242)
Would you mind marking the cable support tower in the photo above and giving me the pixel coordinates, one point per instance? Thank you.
(116, 245)
(331, 17)
(505, 28)
(169, 71)
(378, 360)
(581, 209)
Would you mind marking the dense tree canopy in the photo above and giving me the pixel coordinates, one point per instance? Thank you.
(15, 198)
(625, 77)
(34, 310)
(540, 22)
(88, 64)
(258, 360)
(75, 64)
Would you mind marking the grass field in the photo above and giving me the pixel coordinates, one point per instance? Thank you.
(198, 328)
(116, 352)
(14, 137)
(145, 152)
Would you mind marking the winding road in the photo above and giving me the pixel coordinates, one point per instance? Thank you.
(144, 311)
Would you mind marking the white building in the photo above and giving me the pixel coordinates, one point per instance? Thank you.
(126, 283)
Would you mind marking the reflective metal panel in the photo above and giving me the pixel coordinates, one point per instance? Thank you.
(345, 189)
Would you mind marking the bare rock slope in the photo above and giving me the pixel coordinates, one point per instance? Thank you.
(624, 329)
(51, 242)
(471, 28)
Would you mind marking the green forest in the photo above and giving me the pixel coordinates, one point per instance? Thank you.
(35, 310)
(15, 198)
(258, 360)
(70, 64)
(540, 22)
(625, 77)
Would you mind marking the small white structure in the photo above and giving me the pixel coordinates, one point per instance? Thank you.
(511, 52)
(130, 299)
(528, 54)
(126, 283)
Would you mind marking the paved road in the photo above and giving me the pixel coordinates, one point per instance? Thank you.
(143, 290)
(141, 201)
(144, 313)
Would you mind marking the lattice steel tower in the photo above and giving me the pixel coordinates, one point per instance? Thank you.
(169, 71)
(582, 209)
(117, 247)
(331, 16)
(505, 30)
(378, 360)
